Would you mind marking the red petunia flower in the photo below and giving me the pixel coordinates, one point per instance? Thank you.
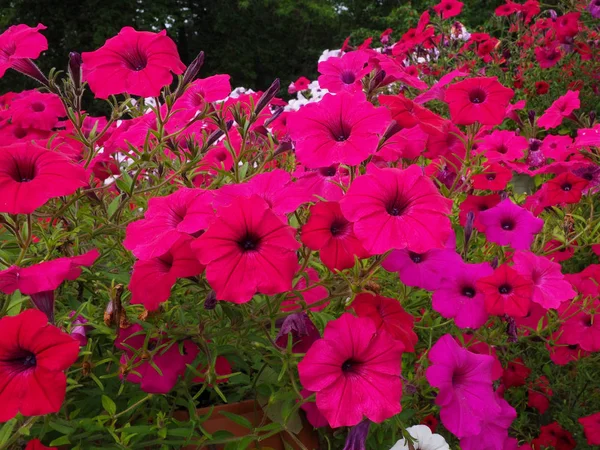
(248, 249)
(33, 358)
(548, 56)
(329, 232)
(581, 324)
(30, 175)
(494, 177)
(566, 188)
(541, 87)
(387, 314)
(133, 62)
(554, 436)
(506, 292)
(591, 428)
(36, 444)
(340, 129)
(20, 43)
(515, 374)
(32, 109)
(448, 8)
(393, 208)
(476, 204)
(482, 100)
(344, 74)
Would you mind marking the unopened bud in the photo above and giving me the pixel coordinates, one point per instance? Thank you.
(211, 301)
(267, 96)
(531, 116)
(469, 229)
(192, 71)
(75, 62)
(494, 263)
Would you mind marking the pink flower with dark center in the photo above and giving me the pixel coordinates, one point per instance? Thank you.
(30, 175)
(323, 182)
(396, 209)
(557, 147)
(548, 56)
(344, 74)
(246, 250)
(506, 292)
(482, 100)
(133, 62)
(340, 129)
(203, 91)
(186, 212)
(20, 43)
(32, 109)
(565, 188)
(477, 204)
(550, 288)
(494, 430)
(448, 8)
(510, 224)
(329, 232)
(503, 145)
(464, 380)
(458, 297)
(355, 372)
(581, 324)
(561, 108)
(153, 278)
(494, 177)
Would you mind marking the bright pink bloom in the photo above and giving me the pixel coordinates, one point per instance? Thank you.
(407, 113)
(557, 147)
(340, 129)
(185, 212)
(323, 182)
(481, 348)
(550, 288)
(203, 91)
(329, 232)
(313, 293)
(562, 353)
(33, 360)
(344, 74)
(510, 224)
(355, 372)
(503, 145)
(494, 429)
(18, 43)
(494, 177)
(137, 355)
(153, 278)
(591, 428)
(565, 188)
(132, 62)
(482, 100)
(464, 380)
(548, 56)
(408, 143)
(395, 209)
(448, 8)
(477, 204)
(561, 108)
(313, 415)
(424, 270)
(248, 249)
(387, 314)
(582, 324)
(506, 292)
(32, 109)
(459, 297)
(30, 175)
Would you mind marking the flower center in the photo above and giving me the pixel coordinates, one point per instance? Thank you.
(38, 107)
(566, 187)
(328, 171)
(415, 257)
(249, 242)
(477, 96)
(134, 59)
(396, 207)
(349, 365)
(348, 77)
(23, 171)
(491, 177)
(468, 291)
(337, 227)
(505, 289)
(507, 224)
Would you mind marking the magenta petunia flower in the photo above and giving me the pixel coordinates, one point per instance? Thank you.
(355, 372)
(311, 291)
(33, 358)
(448, 8)
(464, 380)
(30, 175)
(458, 296)
(561, 108)
(510, 224)
(424, 270)
(494, 429)
(20, 43)
(340, 129)
(503, 145)
(581, 324)
(494, 177)
(152, 279)
(329, 232)
(203, 91)
(324, 182)
(132, 62)
(396, 209)
(248, 249)
(482, 100)
(32, 109)
(550, 288)
(344, 74)
(185, 212)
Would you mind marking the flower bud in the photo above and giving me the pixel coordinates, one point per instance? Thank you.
(211, 301)
(44, 301)
(75, 62)
(267, 96)
(531, 116)
(469, 229)
(357, 436)
(192, 71)
(303, 332)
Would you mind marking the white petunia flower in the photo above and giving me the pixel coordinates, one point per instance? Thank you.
(424, 440)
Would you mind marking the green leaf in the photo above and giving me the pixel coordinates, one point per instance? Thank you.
(240, 420)
(6, 431)
(63, 440)
(109, 405)
(64, 429)
(112, 207)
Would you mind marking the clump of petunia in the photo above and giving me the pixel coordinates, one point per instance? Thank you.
(415, 236)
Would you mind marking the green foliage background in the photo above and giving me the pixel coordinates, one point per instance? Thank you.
(254, 41)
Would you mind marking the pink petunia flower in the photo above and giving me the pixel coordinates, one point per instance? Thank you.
(464, 380)
(506, 292)
(510, 224)
(324, 182)
(557, 147)
(311, 291)
(387, 314)
(494, 429)
(550, 288)
(340, 129)
(132, 62)
(152, 279)
(355, 372)
(30, 175)
(477, 204)
(482, 100)
(248, 249)
(344, 74)
(581, 324)
(448, 8)
(19, 44)
(329, 232)
(395, 209)
(563, 189)
(503, 145)
(561, 108)
(203, 91)
(32, 109)
(494, 177)
(458, 296)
